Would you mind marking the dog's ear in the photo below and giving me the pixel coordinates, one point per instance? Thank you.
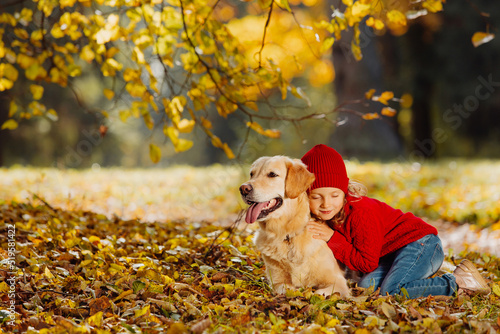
(298, 179)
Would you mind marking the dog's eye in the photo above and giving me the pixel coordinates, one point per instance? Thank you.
(251, 174)
(272, 174)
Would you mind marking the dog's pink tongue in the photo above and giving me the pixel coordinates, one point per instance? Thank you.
(254, 211)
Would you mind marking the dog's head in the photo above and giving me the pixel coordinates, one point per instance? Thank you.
(273, 180)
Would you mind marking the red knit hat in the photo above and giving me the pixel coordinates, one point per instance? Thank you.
(327, 166)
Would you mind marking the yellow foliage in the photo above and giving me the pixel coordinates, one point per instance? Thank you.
(218, 56)
(9, 124)
(396, 18)
(375, 23)
(154, 153)
(433, 6)
(36, 91)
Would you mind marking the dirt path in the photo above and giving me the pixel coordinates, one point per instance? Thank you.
(466, 236)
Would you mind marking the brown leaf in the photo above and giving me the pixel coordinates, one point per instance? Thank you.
(100, 304)
(201, 325)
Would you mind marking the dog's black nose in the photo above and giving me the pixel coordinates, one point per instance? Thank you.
(245, 189)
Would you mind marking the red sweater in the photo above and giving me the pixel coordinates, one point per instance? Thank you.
(371, 230)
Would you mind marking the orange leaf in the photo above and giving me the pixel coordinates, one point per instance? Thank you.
(369, 94)
(388, 111)
(371, 116)
(481, 37)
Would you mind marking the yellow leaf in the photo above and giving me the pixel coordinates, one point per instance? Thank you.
(375, 23)
(356, 51)
(228, 151)
(142, 311)
(123, 295)
(178, 104)
(206, 123)
(387, 95)
(67, 3)
(360, 10)
(388, 111)
(369, 94)
(87, 54)
(332, 323)
(4, 287)
(108, 93)
(327, 44)
(433, 6)
(8, 71)
(136, 89)
(124, 115)
(94, 239)
(37, 35)
(171, 133)
(5, 84)
(95, 320)
(25, 61)
(36, 91)
(406, 101)
(185, 125)
(12, 108)
(216, 141)
(131, 75)
(56, 31)
(272, 133)
(36, 72)
(183, 145)
(9, 124)
(154, 153)
(48, 274)
(74, 70)
(496, 289)
(396, 18)
(481, 37)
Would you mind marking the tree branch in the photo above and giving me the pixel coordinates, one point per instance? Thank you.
(268, 21)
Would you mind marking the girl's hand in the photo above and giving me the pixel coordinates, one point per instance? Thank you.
(320, 230)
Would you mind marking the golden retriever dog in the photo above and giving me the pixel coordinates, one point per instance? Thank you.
(276, 193)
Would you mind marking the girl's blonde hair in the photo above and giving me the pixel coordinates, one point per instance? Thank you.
(354, 189)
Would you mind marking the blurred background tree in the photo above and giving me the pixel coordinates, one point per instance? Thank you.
(429, 58)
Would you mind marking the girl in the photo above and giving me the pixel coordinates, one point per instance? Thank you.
(394, 250)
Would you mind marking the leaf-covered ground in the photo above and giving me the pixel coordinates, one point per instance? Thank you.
(151, 251)
(80, 272)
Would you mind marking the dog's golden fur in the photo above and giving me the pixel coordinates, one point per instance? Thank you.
(293, 258)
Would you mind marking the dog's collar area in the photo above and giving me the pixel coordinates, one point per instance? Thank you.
(288, 238)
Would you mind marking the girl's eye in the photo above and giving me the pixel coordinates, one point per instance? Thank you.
(251, 174)
(272, 174)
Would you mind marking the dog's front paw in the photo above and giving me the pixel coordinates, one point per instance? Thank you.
(324, 291)
(281, 288)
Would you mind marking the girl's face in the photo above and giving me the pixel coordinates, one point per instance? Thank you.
(325, 203)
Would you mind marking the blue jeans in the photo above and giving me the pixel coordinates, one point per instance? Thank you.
(410, 268)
